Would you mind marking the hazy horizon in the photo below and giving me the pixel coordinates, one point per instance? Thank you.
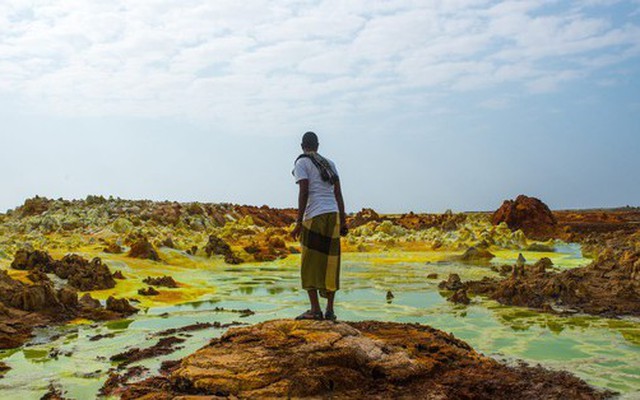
(423, 106)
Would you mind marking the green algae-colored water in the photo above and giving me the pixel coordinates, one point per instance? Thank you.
(604, 352)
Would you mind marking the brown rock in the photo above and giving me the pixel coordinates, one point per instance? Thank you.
(16, 326)
(216, 246)
(36, 275)
(53, 393)
(30, 260)
(118, 275)
(164, 346)
(3, 368)
(265, 255)
(113, 248)
(277, 242)
(86, 301)
(541, 266)
(80, 273)
(363, 217)
(232, 259)
(447, 221)
(473, 254)
(432, 276)
(84, 275)
(165, 281)
(192, 251)
(390, 296)
(460, 297)
(37, 297)
(452, 283)
(359, 360)
(121, 306)
(68, 297)
(115, 380)
(604, 287)
(150, 291)
(143, 249)
(34, 206)
(530, 215)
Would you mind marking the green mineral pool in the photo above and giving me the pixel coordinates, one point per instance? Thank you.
(605, 352)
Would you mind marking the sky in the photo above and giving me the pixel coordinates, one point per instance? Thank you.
(423, 105)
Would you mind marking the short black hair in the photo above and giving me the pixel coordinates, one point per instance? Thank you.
(310, 141)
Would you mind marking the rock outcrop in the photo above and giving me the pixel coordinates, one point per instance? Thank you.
(447, 221)
(372, 360)
(32, 260)
(452, 283)
(16, 326)
(85, 275)
(120, 306)
(362, 217)
(150, 291)
(476, 255)
(165, 281)
(113, 248)
(460, 297)
(143, 249)
(217, 246)
(528, 214)
(609, 286)
(79, 273)
(3, 368)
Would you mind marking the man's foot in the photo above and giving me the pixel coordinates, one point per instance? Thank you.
(330, 316)
(313, 315)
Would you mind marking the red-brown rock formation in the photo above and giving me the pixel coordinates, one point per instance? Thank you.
(363, 217)
(166, 281)
(30, 260)
(217, 246)
(120, 306)
(150, 291)
(143, 249)
(34, 206)
(80, 273)
(268, 217)
(84, 275)
(528, 214)
(608, 286)
(447, 221)
(372, 360)
(460, 297)
(113, 248)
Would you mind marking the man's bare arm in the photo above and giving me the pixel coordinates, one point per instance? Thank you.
(337, 191)
(303, 198)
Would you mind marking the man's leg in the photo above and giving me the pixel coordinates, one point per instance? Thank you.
(313, 299)
(330, 297)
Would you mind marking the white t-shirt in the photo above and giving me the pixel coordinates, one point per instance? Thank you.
(322, 199)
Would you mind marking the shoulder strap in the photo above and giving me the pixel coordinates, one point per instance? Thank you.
(294, 163)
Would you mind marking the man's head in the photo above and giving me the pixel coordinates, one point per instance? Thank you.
(310, 141)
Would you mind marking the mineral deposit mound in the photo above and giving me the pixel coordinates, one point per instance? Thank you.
(358, 360)
(528, 214)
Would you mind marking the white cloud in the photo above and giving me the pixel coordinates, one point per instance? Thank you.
(237, 63)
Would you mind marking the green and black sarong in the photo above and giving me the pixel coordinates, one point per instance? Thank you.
(320, 240)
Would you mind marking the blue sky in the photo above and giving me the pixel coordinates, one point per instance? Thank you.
(424, 105)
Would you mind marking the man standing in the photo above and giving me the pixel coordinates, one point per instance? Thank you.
(320, 223)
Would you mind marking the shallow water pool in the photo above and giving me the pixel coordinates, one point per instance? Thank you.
(604, 352)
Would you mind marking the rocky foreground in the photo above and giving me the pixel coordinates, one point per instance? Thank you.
(373, 360)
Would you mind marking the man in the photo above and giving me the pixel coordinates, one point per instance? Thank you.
(320, 223)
